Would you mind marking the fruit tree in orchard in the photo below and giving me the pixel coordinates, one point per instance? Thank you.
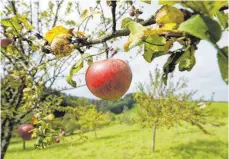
(36, 50)
(110, 79)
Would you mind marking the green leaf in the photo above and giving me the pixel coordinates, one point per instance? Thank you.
(87, 13)
(169, 14)
(12, 23)
(136, 33)
(223, 63)
(187, 60)
(184, 59)
(205, 7)
(89, 60)
(84, 14)
(153, 47)
(135, 42)
(202, 27)
(146, 1)
(34, 47)
(125, 21)
(24, 21)
(170, 65)
(6, 22)
(222, 19)
(77, 67)
(169, 2)
(135, 27)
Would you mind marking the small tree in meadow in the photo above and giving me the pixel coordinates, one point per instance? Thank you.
(160, 105)
(90, 118)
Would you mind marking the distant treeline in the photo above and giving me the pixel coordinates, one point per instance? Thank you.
(116, 106)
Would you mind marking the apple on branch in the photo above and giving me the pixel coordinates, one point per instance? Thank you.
(109, 79)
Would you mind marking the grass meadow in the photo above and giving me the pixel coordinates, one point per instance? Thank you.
(130, 141)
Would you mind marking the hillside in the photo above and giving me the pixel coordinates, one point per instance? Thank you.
(126, 141)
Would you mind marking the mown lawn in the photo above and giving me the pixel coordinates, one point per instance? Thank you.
(122, 141)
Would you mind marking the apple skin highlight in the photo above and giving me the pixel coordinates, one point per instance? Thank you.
(109, 79)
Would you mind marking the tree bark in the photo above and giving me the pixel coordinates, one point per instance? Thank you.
(177, 131)
(3, 124)
(95, 133)
(154, 137)
(24, 144)
(6, 139)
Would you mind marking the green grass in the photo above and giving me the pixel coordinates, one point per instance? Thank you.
(122, 141)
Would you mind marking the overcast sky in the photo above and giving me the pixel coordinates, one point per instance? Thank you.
(204, 77)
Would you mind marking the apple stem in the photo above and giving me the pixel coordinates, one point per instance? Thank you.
(106, 55)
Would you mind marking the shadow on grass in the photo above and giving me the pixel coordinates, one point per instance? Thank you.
(192, 149)
(93, 139)
(16, 142)
(20, 149)
(72, 143)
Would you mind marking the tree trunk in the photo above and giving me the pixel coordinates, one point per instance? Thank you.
(177, 131)
(95, 133)
(6, 139)
(154, 137)
(24, 144)
(3, 125)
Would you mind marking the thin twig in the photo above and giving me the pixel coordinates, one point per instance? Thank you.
(89, 18)
(38, 8)
(31, 13)
(57, 12)
(120, 16)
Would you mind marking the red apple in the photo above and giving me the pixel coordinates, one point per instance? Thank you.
(131, 12)
(25, 131)
(57, 139)
(62, 132)
(109, 79)
(5, 42)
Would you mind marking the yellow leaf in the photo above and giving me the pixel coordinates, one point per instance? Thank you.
(153, 31)
(108, 2)
(126, 46)
(170, 26)
(55, 31)
(150, 31)
(95, 12)
(50, 117)
(169, 14)
(136, 32)
(146, 1)
(34, 120)
(77, 33)
(168, 45)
